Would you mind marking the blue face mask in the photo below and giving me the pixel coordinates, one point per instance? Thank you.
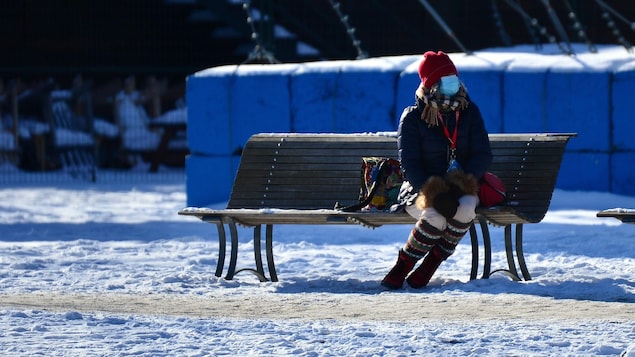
(449, 85)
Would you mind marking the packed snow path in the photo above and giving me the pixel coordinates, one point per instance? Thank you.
(385, 306)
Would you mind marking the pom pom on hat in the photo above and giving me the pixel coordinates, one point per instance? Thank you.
(434, 66)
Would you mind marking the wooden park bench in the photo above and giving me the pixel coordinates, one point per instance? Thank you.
(298, 178)
(626, 215)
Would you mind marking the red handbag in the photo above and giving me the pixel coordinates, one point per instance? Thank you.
(492, 191)
(491, 188)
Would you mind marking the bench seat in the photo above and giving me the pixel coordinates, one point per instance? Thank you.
(299, 178)
(626, 215)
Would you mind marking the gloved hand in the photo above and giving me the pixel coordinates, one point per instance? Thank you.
(407, 194)
(446, 204)
(455, 191)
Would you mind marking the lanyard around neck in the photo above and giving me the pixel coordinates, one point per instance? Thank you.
(452, 139)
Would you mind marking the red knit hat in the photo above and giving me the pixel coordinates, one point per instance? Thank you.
(434, 66)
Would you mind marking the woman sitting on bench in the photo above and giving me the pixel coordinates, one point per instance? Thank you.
(444, 150)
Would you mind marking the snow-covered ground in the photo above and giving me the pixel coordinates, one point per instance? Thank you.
(111, 269)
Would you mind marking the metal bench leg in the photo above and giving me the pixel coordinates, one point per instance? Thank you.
(233, 256)
(260, 272)
(511, 263)
(509, 252)
(474, 239)
(222, 243)
(269, 247)
(222, 248)
(487, 246)
(520, 255)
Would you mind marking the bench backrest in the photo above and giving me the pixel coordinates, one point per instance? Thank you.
(314, 171)
(304, 171)
(528, 164)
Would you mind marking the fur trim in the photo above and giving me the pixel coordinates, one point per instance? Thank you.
(433, 186)
(467, 183)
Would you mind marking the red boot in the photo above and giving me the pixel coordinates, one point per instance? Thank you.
(440, 252)
(395, 278)
(422, 275)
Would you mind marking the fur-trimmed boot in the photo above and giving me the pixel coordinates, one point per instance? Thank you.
(396, 276)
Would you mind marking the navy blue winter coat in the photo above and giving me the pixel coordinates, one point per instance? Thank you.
(424, 151)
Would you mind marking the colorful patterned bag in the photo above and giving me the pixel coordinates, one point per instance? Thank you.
(381, 179)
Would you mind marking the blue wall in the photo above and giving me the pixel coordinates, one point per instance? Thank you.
(587, 95)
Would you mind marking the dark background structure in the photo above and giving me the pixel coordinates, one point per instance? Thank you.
(178, 37)
(46, 46)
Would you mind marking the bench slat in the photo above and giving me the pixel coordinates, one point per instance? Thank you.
(323, 167)
(305, 159)
(285, 204)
